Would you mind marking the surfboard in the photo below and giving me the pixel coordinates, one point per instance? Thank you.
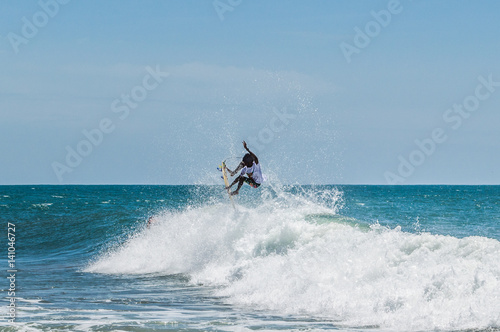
(226, 182)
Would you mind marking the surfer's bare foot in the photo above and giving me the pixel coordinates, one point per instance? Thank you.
(234, 193)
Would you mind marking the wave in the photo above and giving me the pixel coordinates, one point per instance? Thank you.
(295, 255)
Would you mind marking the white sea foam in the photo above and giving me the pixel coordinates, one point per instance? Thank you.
(283, 257)
(42, 206)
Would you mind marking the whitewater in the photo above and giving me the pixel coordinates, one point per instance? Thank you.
(293, 258)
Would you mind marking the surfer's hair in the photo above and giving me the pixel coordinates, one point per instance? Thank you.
(248, 160)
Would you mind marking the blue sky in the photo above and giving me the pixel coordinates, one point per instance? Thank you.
(159, 92)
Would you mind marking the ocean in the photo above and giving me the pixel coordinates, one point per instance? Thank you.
(288, 258)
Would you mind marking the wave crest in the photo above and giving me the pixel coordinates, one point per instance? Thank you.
(295, 255)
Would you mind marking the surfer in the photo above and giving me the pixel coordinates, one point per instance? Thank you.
(151, 220)
(249, 166)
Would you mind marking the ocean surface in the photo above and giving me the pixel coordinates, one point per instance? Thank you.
(288, 258)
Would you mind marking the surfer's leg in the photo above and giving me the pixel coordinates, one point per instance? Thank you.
(241, 180)
(234, 182)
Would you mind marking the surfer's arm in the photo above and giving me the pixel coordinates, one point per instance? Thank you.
(240, 166)
(251, 153)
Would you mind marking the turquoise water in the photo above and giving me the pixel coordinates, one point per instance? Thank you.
(369, 258)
